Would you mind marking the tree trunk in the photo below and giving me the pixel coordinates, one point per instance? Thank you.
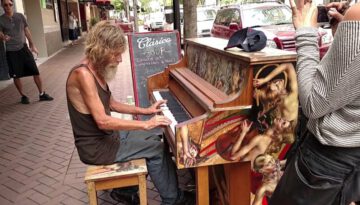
(190, 19)
(127, 10)
(136, 28)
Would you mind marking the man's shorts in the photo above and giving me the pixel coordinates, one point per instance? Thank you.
(21, 63)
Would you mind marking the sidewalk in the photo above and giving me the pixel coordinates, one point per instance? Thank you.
(38, 161)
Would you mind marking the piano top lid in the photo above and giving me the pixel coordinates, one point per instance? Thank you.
(259, 57)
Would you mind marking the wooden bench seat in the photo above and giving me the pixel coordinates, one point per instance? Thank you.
(117, 175)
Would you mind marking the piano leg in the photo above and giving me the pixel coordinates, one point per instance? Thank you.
(238, 182)
(202, 185)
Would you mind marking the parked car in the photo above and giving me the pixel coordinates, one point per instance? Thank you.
(205, 20)
(127, 27)
(273, 18)
(155, 21)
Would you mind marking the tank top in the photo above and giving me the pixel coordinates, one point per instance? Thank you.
(94, 146)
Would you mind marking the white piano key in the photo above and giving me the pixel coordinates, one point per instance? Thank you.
(166, 111)
(157, 95)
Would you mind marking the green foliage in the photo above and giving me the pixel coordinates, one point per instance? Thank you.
(225, 2)
(93, 21)
(118, 4)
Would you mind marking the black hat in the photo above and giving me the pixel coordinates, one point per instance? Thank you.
(248, 39)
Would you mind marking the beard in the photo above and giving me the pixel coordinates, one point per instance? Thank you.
(109, 72)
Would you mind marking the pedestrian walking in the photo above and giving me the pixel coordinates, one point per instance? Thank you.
(73, 22)
(14, 30)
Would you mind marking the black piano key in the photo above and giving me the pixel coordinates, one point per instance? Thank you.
(175, 107)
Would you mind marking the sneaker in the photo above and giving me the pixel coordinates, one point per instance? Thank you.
(24, 100)
(45, 97)
(186, 198)
(126, 198)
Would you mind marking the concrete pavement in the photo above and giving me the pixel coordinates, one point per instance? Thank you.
(39, 163)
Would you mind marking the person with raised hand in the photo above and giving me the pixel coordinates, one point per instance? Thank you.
(326, 167)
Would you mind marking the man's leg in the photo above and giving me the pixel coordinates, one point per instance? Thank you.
(138, 144)
(42, 95)
(38, 83)
(18, 86)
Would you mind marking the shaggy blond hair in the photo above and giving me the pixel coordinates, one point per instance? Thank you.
(103, 40)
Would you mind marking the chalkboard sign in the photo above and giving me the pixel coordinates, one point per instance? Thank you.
(151, 53)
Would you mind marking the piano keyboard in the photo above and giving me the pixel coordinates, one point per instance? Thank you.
(172, 109)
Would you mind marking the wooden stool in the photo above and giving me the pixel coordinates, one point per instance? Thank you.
(115, 176)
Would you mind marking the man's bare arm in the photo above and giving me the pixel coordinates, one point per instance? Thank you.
(127, 109)
(85, 82)
(29, 38)
(130, 109)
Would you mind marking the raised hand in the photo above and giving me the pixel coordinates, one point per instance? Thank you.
(304, 13)
(338, 5)
(259, 82)
(337, 11)
(245, 127)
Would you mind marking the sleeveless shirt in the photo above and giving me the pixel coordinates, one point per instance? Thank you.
(94, 146)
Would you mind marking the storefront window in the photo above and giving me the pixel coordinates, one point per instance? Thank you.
(47, 4)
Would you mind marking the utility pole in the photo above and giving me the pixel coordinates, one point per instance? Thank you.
(176, 9)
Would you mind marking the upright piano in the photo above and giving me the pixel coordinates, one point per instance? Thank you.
(209, 93)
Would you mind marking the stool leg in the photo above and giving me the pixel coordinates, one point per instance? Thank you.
(142, 190)
(92, 193)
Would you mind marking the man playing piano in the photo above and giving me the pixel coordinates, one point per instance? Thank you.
(97, 136)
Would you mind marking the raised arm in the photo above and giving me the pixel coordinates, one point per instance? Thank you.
(245, 127)
(332, 84)
(290, 71)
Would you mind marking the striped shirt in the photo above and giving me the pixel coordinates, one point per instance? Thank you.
(329, 90)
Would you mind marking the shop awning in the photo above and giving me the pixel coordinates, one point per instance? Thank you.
(102, 1)
(105, 4)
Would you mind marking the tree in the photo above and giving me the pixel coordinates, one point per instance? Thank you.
(118, 4)
(190, 19)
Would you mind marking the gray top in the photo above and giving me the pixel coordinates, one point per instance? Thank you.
(14, 27)
(329, 90)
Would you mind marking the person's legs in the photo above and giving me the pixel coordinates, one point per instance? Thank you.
(32, 69)
(139, 144)
(18, 86)
(38, 83)
(320, 175)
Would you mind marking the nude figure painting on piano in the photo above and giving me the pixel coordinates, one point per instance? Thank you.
(212, 144)
(264, 137)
